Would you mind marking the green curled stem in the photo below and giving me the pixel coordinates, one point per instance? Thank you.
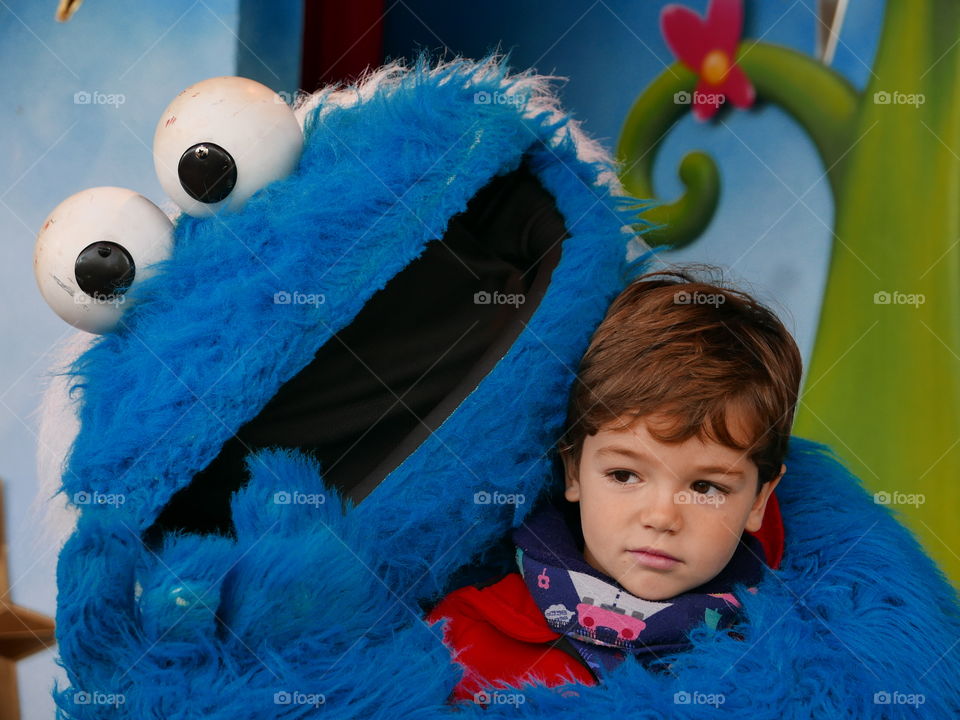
(822, 101)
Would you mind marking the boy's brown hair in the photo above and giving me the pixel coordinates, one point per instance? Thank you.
(689, 349)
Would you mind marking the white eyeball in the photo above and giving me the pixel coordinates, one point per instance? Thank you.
(221, 140)
(94, 250)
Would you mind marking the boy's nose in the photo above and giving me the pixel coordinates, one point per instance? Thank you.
(660, 510)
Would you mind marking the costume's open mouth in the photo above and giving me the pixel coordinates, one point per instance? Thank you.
(377, 389)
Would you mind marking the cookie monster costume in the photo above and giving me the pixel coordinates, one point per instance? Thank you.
(289, 596)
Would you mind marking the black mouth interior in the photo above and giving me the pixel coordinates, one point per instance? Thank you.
(380, 386)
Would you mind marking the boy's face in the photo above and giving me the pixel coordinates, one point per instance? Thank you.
(637, 492)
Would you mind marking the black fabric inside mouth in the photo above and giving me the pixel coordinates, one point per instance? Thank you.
(376, 390)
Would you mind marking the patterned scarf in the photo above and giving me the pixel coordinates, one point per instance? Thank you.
(603, 621)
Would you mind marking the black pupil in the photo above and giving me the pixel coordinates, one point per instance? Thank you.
(207, 172)
(104, 269)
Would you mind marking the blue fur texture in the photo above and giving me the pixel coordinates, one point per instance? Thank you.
(316, 606)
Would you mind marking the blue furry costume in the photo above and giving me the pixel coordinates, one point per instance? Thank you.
(321, 612)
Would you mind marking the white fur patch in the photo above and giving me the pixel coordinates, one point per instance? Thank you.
(58, 428)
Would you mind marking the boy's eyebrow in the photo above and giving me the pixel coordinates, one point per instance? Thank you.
(716, 470)
(631, 453)
(619, 450)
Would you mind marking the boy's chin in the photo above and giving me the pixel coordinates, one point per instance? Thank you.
(651, 591)
(656, 585)
(640, 581)
(647, 584)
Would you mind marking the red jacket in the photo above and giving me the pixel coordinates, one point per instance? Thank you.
(500, 637)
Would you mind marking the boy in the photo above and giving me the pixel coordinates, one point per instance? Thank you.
(675, 438)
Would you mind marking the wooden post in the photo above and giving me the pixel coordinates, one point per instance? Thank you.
(22, 632)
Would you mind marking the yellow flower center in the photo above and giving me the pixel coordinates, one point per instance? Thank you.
(715, 67)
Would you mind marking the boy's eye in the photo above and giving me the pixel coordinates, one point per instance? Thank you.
(707, 485)
(622, 476)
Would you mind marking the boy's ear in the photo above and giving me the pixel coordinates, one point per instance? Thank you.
(755, 518)
(571, 480)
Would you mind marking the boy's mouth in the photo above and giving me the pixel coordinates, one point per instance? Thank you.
(656, 559)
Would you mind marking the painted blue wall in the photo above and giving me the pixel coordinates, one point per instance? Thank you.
(269, 43)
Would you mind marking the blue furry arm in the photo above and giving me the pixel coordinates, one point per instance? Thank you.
(285, 618)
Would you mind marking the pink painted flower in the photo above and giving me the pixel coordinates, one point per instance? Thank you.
(708, 47)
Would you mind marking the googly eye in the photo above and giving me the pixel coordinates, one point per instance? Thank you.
(94, 250)
(222, 140)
